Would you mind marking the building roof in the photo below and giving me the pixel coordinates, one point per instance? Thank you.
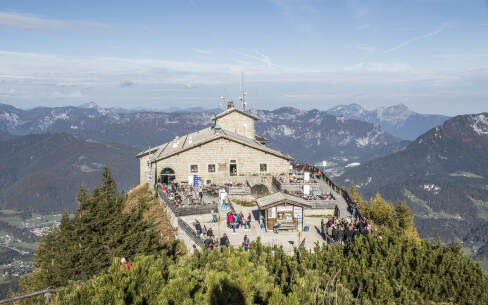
(192, 140)
(230, 110)
(278, 198)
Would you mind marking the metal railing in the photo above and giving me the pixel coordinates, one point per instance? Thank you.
(190, 210)
(28, 295)
(189, 231)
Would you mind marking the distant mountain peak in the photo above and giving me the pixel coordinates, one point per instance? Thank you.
(480, 124)
(89, 105)
(398, 119)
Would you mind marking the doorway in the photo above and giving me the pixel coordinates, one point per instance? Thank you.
(167, 175)
(233, 169)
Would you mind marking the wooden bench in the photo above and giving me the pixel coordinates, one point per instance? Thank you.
(287, 226)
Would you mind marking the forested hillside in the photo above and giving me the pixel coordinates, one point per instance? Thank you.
(389, 266)
(443, 176)
(43, 172)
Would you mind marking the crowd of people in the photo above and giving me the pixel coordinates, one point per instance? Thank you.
(211, 242)
(182, 194)
(237, 220)
(344, 230)
(316, 195)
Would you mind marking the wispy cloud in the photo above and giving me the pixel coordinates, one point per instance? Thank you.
(439, 30)
(458, 56)
(31, 22)
(42, 76)
(201, 51)
(366, 48)
(189, 86)
(301, 14)
(127, 83)
(259, 57)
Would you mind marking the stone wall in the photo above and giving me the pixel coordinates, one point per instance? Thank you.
(220, 153)
(237, 123)
(143, 169)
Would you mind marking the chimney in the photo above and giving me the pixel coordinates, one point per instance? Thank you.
(230, 105)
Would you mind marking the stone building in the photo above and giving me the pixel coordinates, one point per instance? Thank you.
(229, 151)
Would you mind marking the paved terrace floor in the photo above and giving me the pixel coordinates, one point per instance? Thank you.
(287, 239)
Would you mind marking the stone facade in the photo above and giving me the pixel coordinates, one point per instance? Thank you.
(220, 153)
(237, 123)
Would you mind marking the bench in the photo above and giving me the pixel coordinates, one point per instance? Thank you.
(287, 226)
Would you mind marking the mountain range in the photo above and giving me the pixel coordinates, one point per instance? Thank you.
(443, 176)
(43, 172)
(398, 120)
(311, 136)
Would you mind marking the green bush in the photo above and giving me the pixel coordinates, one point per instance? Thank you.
(387, 270)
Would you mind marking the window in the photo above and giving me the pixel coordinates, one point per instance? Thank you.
(263, 167)
(233, 169)
(211, 168)
(194, 168)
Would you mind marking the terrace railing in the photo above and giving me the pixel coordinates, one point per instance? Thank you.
(190, 232)
(188, 210)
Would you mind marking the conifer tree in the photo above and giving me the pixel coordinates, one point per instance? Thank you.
(85, 245)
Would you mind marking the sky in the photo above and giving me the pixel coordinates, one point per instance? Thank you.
(431, 55)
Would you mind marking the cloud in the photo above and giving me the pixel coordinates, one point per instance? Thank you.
(459, 56)
(97, 78)
(31, 22)
(366, 48)
(201, 51)
(127, 83)
(259, 57)
(302, 15)
(65, 84)
(439, 30)
(70, 94)
(8, 92)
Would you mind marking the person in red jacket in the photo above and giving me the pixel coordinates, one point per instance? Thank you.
(126, 264)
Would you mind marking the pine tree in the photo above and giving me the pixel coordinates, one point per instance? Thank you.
(100, 230)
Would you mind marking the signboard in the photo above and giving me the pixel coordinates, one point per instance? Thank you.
(298, 212)
(149, 172)
(287, 208)
(298, 215)
(272, 212)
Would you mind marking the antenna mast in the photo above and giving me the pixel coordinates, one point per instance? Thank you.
(242, 98)
(224, 98)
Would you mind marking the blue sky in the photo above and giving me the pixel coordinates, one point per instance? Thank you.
(430, 55)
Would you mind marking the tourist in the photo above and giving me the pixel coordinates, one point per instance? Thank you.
(127, 266)
(349, 234)
(340, 234)
(210, 233)
(337, 212)
(276, 227)
(249, 221)
(236, 221)
(246, 243)
(244, 222)
(232, 222)
(198, 227)
(224, 241)
(241, 218)
(209, 243)
(200, 193)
